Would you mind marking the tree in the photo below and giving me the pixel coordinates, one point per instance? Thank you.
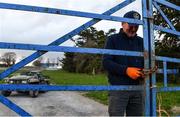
(68, 62)
(86, 63)
(169, 45)
(9, 58)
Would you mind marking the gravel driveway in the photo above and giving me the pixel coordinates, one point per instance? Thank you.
(56, 103)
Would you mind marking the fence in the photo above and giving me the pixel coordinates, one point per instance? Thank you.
(149, 87)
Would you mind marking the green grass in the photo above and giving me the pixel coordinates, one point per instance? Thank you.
(169, 99)
(99, 96)
(64, 78)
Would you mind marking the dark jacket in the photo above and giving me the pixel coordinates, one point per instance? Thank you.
(116, 65)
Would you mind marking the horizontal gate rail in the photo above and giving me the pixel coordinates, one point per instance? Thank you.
(166, 30)
(68, 49)
(67, 12)
(5, 45)
(168, 71)
(168, 89)
(168, 59)
(69, 87)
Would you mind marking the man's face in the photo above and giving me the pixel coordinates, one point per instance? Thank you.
(130, 30)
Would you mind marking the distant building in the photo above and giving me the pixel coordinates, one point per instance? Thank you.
(51, 66)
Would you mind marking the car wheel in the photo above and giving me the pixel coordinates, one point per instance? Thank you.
(34, 93)
(43, 91)
(6, 93)
(20, 91)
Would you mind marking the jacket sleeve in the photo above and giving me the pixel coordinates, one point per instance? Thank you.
(108, 61)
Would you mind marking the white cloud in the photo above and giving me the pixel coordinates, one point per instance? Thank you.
(40, 28)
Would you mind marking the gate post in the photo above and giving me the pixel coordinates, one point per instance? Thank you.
(149, 57)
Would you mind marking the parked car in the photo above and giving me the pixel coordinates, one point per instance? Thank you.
(32, 77)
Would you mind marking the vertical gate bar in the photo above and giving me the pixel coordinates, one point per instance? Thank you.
(13, 106)
(146, 57)
(165, 73)
(149, 58)
(151, 81)
(62, 39)
(153, 90)
(154, 95)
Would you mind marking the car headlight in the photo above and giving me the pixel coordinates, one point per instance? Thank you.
(24, 82)
(6, 80)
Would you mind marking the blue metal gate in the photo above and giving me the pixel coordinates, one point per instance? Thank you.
(149, 87)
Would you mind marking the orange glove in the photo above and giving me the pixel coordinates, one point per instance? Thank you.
(134, 72)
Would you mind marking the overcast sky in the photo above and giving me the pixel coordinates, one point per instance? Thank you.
(41, 28)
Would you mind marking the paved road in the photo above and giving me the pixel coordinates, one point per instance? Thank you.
(56, 103)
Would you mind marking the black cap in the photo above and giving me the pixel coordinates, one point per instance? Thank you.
(134, 15)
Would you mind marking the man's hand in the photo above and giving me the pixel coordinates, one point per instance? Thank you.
(134, 72)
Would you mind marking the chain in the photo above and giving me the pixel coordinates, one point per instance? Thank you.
(149, 71)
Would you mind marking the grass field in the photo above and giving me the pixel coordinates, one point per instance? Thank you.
(169, 99)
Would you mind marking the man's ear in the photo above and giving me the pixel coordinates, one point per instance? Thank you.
(123, 23)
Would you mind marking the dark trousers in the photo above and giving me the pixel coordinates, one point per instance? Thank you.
(129, 103)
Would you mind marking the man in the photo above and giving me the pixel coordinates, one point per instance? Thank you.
(125, 70)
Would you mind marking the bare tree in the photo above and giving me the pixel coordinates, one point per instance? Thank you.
(9, 58)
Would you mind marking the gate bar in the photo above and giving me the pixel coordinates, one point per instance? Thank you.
(168, 4)
(168, 89)
(67, 12)
(146, 59)
(68, 49)
(165, 73)
(5, 45)
(169, 71)
(168, 59)
(13, 106)
(25, 87)
(166, 30)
